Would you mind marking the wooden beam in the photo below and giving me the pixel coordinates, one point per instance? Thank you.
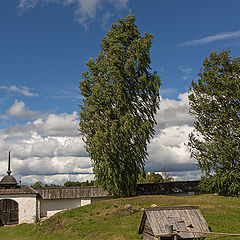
(211, 233)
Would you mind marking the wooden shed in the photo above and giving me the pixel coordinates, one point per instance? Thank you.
(187, 222)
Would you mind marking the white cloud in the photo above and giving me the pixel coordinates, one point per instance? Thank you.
(168, 92)
(25, 5)
(189, 175)
(56, 179)
(22, 90)
(50, 149)
(120, 4)
(19, 110)
(167, 148)
(85, 11)
(173, 113)
(186, 70)
(46, 124)
(106, 18)
(33, 154)
(213, 38)
(4, 116)
(59, 125)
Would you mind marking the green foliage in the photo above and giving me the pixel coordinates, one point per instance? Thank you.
(166, 176)
(36, 219)
(41, 185)
(221, 214)
(215, 104)
(150, 178)
(37, 185)
(77, 184)
(120, 98)
(66, 184)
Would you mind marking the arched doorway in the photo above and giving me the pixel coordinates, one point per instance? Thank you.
(8, 212)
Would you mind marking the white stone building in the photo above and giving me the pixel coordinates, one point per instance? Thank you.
(23, 204)
(56, 199)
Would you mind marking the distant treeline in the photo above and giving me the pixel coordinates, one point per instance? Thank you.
(144, 177)
(66, 184)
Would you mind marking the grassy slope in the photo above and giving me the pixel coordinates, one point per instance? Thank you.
(101, 220)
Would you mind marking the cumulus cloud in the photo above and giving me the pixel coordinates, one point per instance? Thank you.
(21, 90)
(56, 179)
(168, 150)
(59, 125)
(19, 110)
(189, 175)
(173, 113)
(33, 154)
(168, 147)
(51, 150)
(213, 38)
(85, 11)
(48, 147)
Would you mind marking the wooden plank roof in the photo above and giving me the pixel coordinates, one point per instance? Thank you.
(19, 190)
(181, 217)
(71, 192)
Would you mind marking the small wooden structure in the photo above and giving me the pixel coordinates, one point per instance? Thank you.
(188, 220)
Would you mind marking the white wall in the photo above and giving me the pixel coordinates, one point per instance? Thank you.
(28, 206)
(49, 207)
(58, 204)
(85, 202)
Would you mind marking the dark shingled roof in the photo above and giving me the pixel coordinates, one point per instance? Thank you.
(71, 192)
(8, 180)
(18, 190)
(182, 218)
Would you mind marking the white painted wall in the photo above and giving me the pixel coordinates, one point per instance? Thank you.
(49, 207)
(58, 204)
(28, 206)
(51, 213)
(85, 202)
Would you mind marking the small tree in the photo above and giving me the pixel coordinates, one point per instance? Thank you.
(120, 98)
(78, 184)
(37, 185)
(215, 141)
(151, 177)
(166, 176)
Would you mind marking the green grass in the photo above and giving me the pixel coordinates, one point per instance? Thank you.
(103, 220)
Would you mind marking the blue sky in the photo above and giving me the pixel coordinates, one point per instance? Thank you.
(44, 47)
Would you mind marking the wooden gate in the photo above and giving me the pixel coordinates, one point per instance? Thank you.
(8, 212)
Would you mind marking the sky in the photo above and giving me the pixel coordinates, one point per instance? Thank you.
(44, 47)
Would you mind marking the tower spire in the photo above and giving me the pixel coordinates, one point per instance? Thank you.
(9, 171)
